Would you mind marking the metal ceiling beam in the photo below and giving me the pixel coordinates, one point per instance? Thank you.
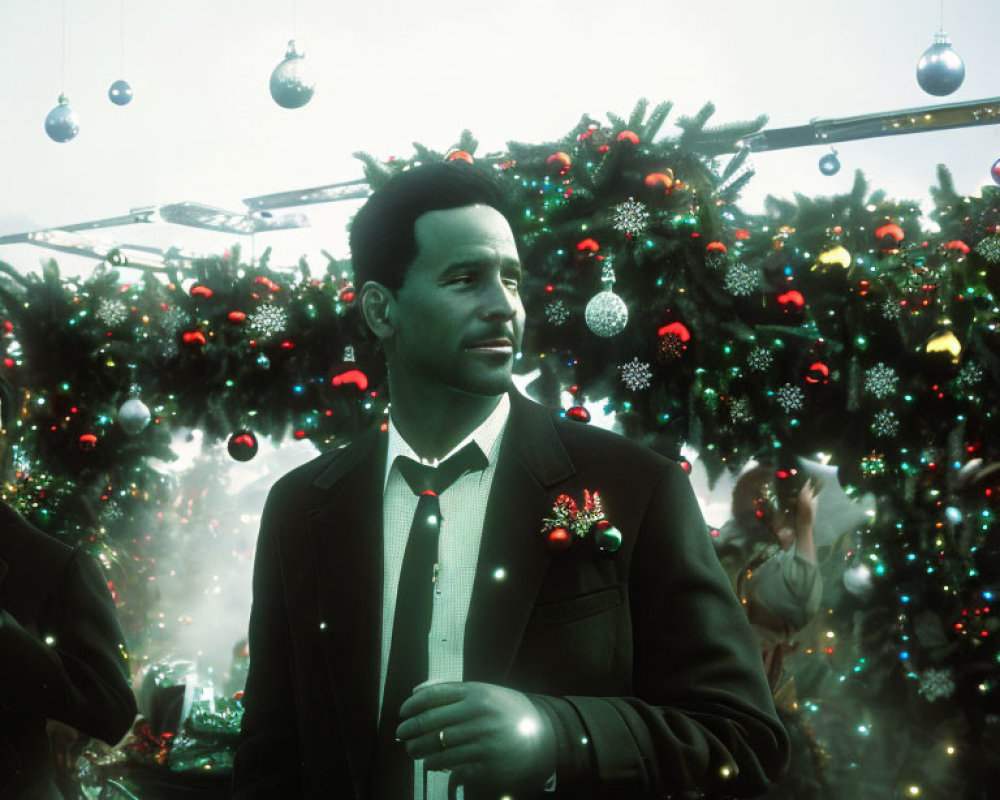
(331, 192)
(885, 123)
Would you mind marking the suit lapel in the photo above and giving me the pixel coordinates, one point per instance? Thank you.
(346, 536)
(513, 559)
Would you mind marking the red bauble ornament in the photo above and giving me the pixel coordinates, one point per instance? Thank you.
(791, 299)
(349, 376)
(628, 136)
(236, 316)
(194, 338)
(346, 294)
(588, 245)
(461, 155)
(592, 128)
(995, 171)
(558, 540)
(715, 247)
(661, 180)
(957, 244)
(676, 328)
(595, 137)
(87, 442)
(579, 413)
(560, 162)
(201, 291)
(818, 373)
(267, 283)
(242, 445)
(890, 234)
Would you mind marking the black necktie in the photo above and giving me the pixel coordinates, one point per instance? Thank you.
(411, 624)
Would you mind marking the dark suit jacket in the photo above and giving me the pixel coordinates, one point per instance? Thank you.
(50, 590)
(645, 661)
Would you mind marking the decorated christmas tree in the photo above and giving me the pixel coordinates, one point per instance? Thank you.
(848, 328)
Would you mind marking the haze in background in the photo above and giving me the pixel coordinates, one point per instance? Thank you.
(203, 127)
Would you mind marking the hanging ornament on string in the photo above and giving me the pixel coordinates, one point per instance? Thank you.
(133, 416)
(606, 313)
(242, 445)
(995, 172)
(120, 92)
(62, 123)
(829, 164)
(940, 70)
(292, 86)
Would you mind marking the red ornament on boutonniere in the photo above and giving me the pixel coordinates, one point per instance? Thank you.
(569, 521)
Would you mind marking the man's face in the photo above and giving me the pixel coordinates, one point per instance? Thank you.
(461, 290)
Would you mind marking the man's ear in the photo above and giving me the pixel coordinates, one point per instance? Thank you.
(376, 306)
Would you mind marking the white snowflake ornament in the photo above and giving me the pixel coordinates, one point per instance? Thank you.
(636, 375)
(630, 217)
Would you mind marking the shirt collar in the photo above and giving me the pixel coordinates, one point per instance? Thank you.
(486, 436)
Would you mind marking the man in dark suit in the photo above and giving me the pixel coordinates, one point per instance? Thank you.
(62, 652)
(609, 669)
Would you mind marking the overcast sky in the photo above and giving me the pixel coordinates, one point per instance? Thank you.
(203, 127)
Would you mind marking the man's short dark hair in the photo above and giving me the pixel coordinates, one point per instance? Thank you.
(382, 239)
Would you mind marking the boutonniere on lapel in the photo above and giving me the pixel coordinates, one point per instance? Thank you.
(569, 521)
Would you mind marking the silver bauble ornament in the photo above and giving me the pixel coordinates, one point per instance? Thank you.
(606, 314)
(120, 93)
(291, 84)
(133, 416)
(62, 123)
(858, 579)
(829, 164)
(940, 70)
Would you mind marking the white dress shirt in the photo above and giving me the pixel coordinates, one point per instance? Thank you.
(463, 510)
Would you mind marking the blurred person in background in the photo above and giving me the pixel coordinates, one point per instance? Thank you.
(63, 665)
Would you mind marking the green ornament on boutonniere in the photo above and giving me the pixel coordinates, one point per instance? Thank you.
(569, 521)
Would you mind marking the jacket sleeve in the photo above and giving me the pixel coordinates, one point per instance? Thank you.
(75, 670)
(702, 718)
(267, 763)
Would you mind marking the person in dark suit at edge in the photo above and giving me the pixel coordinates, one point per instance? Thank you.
(62, 651)
(510, 670)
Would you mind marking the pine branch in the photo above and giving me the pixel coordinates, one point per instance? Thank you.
(638, 113)
(375, 173)
(656, 120)
(736, 162)
(693, 126)
(16, 276)
(467, 142)
(617, 123)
